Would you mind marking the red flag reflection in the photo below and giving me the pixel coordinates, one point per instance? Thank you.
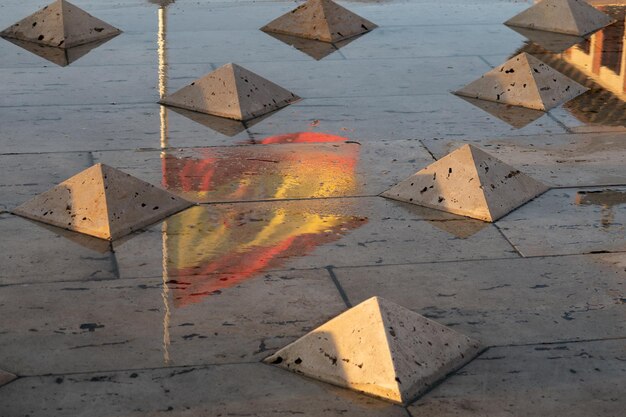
(210, 248)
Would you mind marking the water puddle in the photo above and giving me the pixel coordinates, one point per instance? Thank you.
(607, 200)
(598, 63)
(209, 249)
(297, 165)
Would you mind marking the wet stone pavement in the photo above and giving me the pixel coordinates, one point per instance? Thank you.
(290, 230)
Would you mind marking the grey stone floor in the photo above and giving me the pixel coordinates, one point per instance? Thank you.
(175, 320)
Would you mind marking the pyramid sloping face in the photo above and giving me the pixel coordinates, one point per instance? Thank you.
(468, 182)
(572, 17)
(378, 348)
(6, 377)
(103, 202)
(233, 92)
(62, 25)
(322, 20)
(524, 81)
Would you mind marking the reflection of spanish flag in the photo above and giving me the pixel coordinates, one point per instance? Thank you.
(312, 165)
(212, 248)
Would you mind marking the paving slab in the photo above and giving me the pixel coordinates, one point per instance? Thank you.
(573, 379)
(336, 168)
(181, 47)
(134, 324)
(579, 221)
(24, 176)
(251, 237)
(512, 301)
(567, 160)
(430, 41)
(44, 129)
(235, 390)
(31, 252)
(125, 84)
(399, 117)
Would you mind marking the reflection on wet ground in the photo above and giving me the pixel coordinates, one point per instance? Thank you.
(302, 170)
(60, 56)
(606, 199)
(176, 318)
(598, 63)
(315, 49)
(240, 245)
(516, 116)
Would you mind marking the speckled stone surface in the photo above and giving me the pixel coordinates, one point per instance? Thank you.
(524, 81)
(322, 20)
(233, 92)
(469, 182)
(379, 348)
(573, 17)
(103, 202)
(61, 25)
(574, 379)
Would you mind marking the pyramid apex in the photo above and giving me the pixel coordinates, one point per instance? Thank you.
(60, 24)
(102, 201)
(393, 353)
(321, 20)
(525, 81)
(571, 17)
(226, 93)
(469, 182)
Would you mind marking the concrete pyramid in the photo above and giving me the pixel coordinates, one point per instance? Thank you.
(322, 20)
(233, 92)
(524, 81)
(60, 24)
(469, 182)
(572, 17)
(380, 349)
(102, 201)
(6, 377)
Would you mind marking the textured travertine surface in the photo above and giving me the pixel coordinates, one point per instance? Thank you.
(469, 182)
(378, 348)
(62, 25)
(573, 17)
(232, 92)
(322, 20)
(524, 81)
(103, 202)
(583, 379)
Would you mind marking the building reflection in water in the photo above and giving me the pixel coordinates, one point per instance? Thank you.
(607, 200)
(598, 63)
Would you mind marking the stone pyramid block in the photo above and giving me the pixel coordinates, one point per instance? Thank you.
(524, 81)
(380, 349)
(469, 182)
(233, 92)
(322, 20)
(572, 17)
(62, 25)
(104, 202)
(6, 377)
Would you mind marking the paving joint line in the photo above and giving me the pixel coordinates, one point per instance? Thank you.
(335, 280)
(156, 368)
